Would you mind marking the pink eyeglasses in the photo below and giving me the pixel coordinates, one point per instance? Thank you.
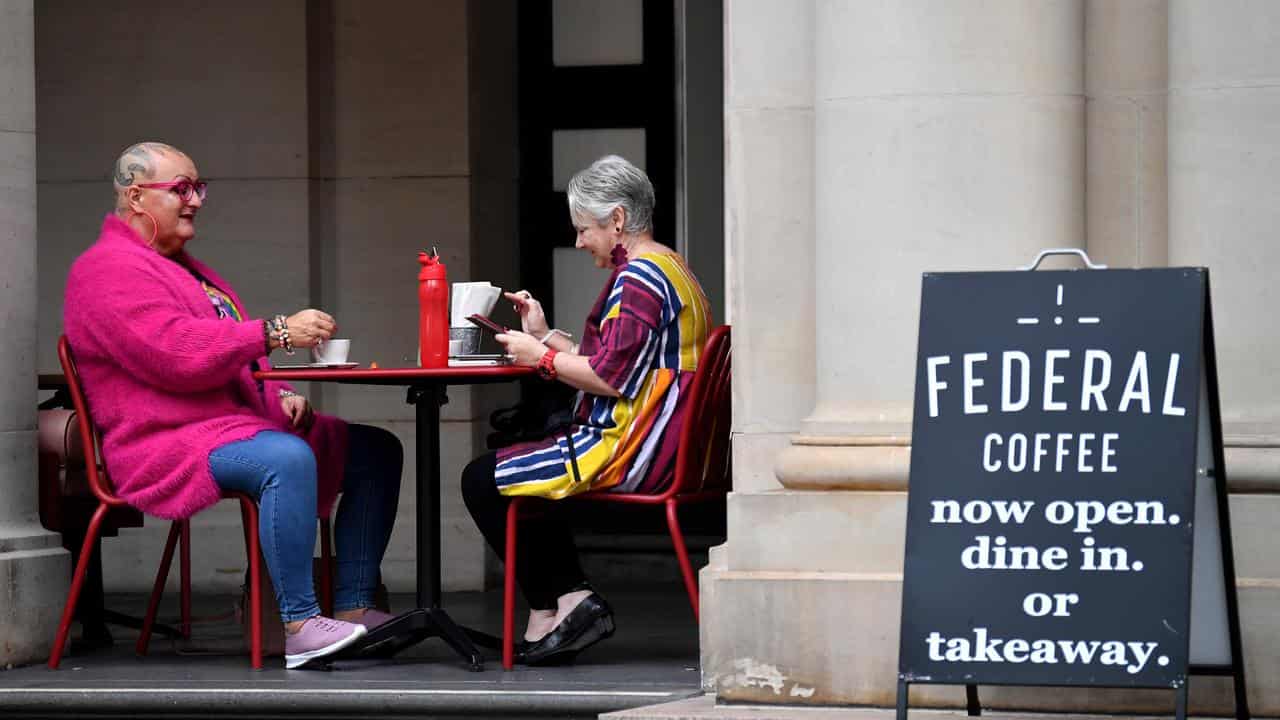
(183, 188)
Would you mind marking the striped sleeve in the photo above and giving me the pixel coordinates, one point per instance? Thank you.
(629, 337)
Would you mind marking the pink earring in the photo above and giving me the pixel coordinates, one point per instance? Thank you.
(155, 227)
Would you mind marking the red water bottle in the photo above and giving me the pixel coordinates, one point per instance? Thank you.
(433, 312)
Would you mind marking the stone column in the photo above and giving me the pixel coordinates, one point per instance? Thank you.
(1224, 181)
(1126, 84)
(948, 136)
(33, 565)
(769, 228)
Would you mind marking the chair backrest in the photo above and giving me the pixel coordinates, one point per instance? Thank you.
(99, 483)
(703, 457)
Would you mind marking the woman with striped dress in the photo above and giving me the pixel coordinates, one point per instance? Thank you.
(632, 369)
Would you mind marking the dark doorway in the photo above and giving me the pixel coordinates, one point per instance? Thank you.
(556, 97)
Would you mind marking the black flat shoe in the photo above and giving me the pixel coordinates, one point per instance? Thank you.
(519, 650)
(589, 623)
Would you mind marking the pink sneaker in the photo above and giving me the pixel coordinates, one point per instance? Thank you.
(373, 618)
(318, 637)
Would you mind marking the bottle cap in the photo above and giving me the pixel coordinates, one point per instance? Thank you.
(432, 268)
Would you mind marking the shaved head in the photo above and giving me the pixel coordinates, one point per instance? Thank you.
(158, 193)
(138, 164)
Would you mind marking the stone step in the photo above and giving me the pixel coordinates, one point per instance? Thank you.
(389, 700)
(704, 707)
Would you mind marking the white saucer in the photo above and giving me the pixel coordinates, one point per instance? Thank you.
(477, 360)
(317, 366)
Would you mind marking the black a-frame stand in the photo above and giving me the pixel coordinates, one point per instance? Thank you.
(1187, 574)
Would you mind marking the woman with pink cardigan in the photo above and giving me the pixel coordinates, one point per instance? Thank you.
(167, 353)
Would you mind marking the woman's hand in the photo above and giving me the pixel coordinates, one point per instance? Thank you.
(309, 328)
(532, 319)
(299, 411)
(523, 348)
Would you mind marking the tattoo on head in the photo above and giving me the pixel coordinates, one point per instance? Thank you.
(136, 162)
(132, 163)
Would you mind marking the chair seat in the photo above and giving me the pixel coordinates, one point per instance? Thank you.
(604, 496)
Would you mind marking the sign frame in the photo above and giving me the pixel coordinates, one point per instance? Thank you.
(1210, 470)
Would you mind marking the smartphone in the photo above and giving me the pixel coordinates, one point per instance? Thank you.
(486, 324)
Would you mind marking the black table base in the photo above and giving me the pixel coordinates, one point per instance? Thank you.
(409, 629)
(427, 399)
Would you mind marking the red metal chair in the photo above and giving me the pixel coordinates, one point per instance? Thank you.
(180, 530)
(702, 473)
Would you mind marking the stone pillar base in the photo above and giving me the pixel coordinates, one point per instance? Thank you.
(832, 639)
(33, 586)
(802, 607)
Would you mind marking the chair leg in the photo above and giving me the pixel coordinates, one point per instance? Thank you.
(162, 574)
(244, 525)
(682, 554)
(509, 587)
(250, 512)
(77, 582)
(327, 569)
(184, 570)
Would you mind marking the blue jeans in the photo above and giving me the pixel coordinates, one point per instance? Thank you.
(279, 470)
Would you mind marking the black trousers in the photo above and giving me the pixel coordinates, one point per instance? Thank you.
(546, 557)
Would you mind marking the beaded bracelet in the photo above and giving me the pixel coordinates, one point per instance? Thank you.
(282, 330)
(283, 393)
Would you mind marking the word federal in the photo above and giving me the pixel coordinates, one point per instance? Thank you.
(1092, 366)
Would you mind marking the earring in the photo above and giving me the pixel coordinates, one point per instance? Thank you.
(155, 227)
(618, 255)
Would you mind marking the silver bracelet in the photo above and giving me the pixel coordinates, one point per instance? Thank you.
(554, 331)
(283, 393)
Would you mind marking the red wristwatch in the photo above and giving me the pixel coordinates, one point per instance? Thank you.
(547, 365)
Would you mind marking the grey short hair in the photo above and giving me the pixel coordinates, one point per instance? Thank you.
(609, 183)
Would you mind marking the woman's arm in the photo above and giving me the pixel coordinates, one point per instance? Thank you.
(573, 370)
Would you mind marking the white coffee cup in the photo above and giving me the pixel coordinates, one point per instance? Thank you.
(331, 352)
(455, 348)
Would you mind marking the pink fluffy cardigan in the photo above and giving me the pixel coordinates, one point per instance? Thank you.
(167, 380)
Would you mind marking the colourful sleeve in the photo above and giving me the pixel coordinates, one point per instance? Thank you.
(629, 334)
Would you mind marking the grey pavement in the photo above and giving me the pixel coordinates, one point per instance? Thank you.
(652, 658)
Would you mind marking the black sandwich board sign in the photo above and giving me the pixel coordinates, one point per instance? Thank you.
(1066, 466)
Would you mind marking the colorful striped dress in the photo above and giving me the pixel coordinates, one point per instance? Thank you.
(644, 336)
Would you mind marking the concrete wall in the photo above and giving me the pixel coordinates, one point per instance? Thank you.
(33, 565)
(494, 189)
(867, 142)
(700, 137)
(769, 207)
(1126, 86)
(336, 139)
